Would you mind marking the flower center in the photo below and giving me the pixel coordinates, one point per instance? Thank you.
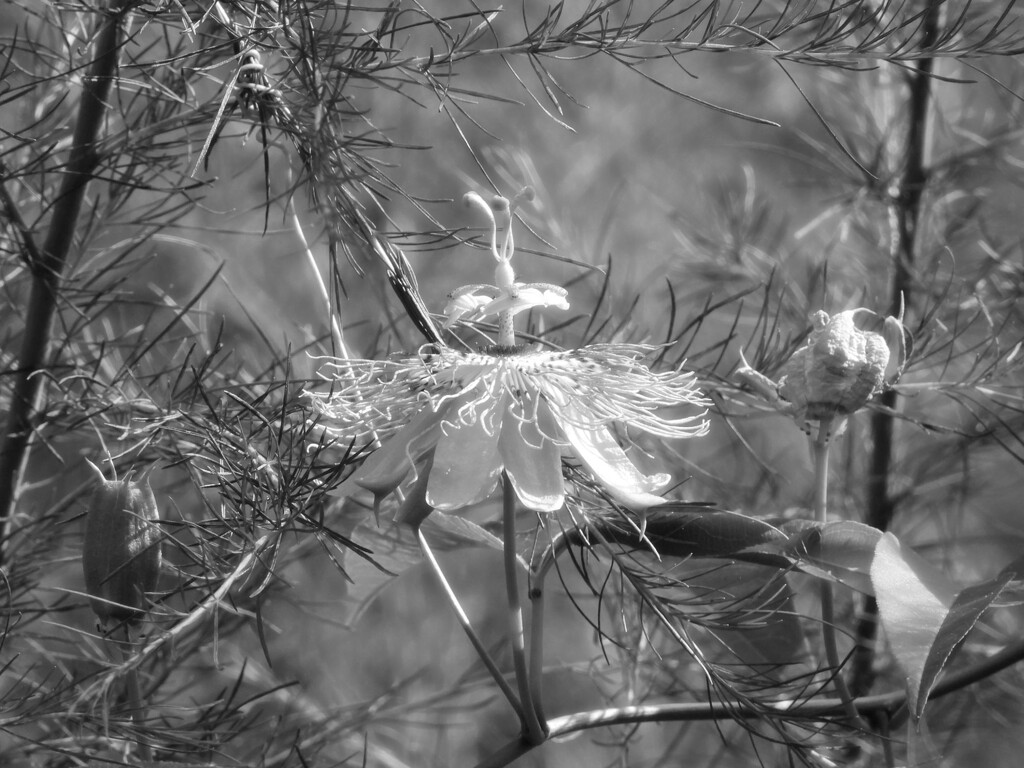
(505, 350)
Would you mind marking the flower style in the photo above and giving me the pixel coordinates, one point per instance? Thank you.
(836, 370)
(459, 420)
(512, 409)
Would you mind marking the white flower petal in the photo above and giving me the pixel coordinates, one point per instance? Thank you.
(466, 462)
(522, 298)
(463, 305)
(388, 466)
(602, 455)
(544, 295)
(551, 402)
(533, 462)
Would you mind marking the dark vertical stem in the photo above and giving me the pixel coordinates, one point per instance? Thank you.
(905, 215)
(49, 266)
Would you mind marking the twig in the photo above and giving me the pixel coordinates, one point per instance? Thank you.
(818, 709)
(14, 215)
(460, 613)
(136, 704)
(198, 614)
(536, 666)
(332, 310)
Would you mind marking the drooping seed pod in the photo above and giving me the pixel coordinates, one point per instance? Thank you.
(121, 556)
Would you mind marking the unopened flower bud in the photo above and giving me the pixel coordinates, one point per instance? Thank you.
(836, 370)
(121, 557)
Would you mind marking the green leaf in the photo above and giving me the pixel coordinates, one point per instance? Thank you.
(914, 603)
(714, 533)
(962, 616)
(842, 551)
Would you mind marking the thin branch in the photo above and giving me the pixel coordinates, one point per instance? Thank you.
(467, 627)
(820, 709)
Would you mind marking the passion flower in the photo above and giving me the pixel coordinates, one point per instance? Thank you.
(460, 420)
(511, 409)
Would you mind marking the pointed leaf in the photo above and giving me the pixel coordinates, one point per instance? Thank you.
(914, 600)
(962, 616)
(842, 551)
(712, 533)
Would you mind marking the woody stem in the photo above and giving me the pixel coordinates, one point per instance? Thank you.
(906, 218)
(533, 731)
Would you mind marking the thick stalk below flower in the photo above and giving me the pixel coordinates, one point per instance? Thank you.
(534, 730)
(820, 448)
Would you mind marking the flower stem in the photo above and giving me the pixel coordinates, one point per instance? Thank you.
(136, 704)
(460, 613)
(533, 731)
(536, 669)
(820, 446)
(333, 311)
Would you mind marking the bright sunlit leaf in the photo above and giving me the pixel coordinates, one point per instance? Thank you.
(914, 601)
(841, 551)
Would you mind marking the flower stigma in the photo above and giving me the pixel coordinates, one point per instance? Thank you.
(506, 298)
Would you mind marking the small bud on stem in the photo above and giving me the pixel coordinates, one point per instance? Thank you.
(121, 556)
